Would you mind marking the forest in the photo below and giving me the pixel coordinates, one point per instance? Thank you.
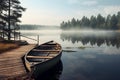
(29, 27)
(110, 22)
(10, 14)
(37, 27)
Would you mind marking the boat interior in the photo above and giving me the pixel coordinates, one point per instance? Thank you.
(44, 52)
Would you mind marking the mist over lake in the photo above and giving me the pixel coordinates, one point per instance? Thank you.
(87, 33)
(96, 56)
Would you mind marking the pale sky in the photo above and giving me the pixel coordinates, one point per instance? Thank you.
(53, 12)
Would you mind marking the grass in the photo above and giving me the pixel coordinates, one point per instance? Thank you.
(7, 46)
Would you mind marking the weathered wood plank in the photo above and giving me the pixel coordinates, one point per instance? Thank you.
(8, 59)
(6, 63)
(11, 64)
(11, 68)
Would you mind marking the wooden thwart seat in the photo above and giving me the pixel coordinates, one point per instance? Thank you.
(40, 57)
(45, 50)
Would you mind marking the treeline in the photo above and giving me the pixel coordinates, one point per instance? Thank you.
(111, 22)
(29, 27)
(37, 27)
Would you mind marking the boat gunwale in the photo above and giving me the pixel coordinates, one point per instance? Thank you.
(26, 61)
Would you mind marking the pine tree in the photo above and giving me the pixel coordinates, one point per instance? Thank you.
(118, 17)
(10, 12)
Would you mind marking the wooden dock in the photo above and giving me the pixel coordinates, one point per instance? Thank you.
(11, 65)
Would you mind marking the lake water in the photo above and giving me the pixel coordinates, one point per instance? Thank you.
(97, 55)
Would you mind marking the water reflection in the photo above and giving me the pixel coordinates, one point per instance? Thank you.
(87, 63)
(96, 38)
(90, 64)
(53, 73)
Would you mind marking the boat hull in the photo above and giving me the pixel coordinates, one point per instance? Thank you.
(39, 69)
(33, 62)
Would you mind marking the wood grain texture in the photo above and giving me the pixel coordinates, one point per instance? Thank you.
(11, 64)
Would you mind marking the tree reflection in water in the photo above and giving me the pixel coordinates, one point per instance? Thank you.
(96, 38)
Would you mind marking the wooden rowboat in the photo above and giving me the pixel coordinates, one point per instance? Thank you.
(43, 57)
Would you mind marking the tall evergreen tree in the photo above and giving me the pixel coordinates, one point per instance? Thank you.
(73, 22)
(85, 22)
(107, 23)
(99, 22)
(10, 11)
(114, 22)
(93, 22)
(118, 17)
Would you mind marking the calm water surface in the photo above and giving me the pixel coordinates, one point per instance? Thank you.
(97, 55)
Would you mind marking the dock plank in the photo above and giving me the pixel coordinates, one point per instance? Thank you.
(11, 64)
